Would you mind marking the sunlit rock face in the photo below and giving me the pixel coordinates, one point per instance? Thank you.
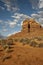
(30, 25)
(30, 29)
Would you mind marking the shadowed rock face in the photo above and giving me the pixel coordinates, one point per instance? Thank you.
(30, 25)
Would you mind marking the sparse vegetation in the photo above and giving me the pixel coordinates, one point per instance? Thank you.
(6, 57)
(25, 41)
(9, 51)
(39, 38)
(7, 44)
(18, 54)
(40, 45)
(0, 41)
(16, 40)
(10, 42)
(33, 43)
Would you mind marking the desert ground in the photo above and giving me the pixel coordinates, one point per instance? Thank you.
(19, 54)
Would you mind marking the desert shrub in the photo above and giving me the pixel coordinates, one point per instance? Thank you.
(39, 38)
(10, 42)
(40, 45)
(9, 50)
(3, 42)
(6, 57)
(5, 46)
(33, 43)
(25, 41)
(0, 41)
(16, 40)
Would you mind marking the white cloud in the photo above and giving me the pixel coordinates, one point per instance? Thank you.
(40, 3)
(0, 21)
(38, 17)
(10, 5)
(4, 30)
(20, 17)
(11, 8)
(21, 23)
(15, 9)
(41, 14)
(2, 8)
(7, 4)
(12, 24)
(41, 20)
(17, 17)
(34, 4)
(18, 24)
(35, 16)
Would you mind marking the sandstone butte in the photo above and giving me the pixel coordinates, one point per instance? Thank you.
(30, 29)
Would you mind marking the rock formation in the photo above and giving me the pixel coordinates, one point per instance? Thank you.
(30, 29)
(30, 25)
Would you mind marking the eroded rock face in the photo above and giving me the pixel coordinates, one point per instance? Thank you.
(30, 29)
(30, 25)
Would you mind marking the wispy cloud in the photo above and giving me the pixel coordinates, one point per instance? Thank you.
(18, 17)
(37, 4)
(40, 13)
(35, 16)
(2, 8)
(12, 24)
(38, 17)
(0, 21)
(4, 30)
(34, 2)
(11, 6)
(40, 3)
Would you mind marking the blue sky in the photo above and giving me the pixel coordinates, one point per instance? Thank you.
(13, 12)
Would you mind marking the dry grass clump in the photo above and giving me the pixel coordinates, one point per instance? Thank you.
(10, 42)
(6, 43)
(25, 41)
(16, 40)
(6, 57)
(40, 45)
(38, 38)
(7, 46)
(33, 43)
(0, 41)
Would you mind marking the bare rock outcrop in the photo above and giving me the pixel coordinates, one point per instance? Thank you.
(30, 25)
